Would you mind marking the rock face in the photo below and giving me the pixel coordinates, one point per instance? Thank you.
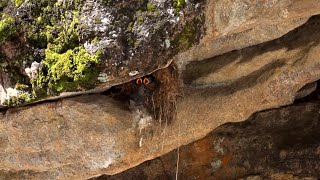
(49, 48)
(86, 136)
(275, 144)
(119, 41)
(235, 24)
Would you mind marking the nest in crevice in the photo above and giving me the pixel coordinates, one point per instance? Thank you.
(160, 96)
(121, 92)
(164, 98)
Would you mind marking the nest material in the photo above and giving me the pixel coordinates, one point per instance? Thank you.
(164, 98)
(160, 96)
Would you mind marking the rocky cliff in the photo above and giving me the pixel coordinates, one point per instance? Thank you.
(277, 144)
(103, 86)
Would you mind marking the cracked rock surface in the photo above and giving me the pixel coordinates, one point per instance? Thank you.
(232, 60)
(275, 144)
(88, 46)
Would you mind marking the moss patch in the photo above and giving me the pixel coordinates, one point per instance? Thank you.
(68, 71)
(68, 35)
(22, 98)
(52, 57)
(18, 2)
(3, 3)
(7, 27)
(150, 7)
(177, 4)
(66, 66)
(185, 39)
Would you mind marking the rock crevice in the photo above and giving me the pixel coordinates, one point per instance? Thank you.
(227, 77)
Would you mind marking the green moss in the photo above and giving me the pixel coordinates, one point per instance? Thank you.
(58, 37)
(185, 39)
(97, 20)
(18, 2)
(152, 10)
(130, 27)
(13, 101)
(179, 3)
(107, 2)
(67, 37)
(69, 70)
(3, 3)
(52, 27)
(131, 40)
(68, 66)
(39, 19)
(140, 20)
(95, 40)
(151, 7)
(38, 40)
(140, 16)
(22, 98)
(21, 87)
(7, 27)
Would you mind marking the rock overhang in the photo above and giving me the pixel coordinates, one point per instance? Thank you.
(82, 47)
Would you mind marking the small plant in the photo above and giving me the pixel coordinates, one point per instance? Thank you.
(151, 7)
(7, 27)
(3, 3)
(22, 98)
(67, 71)
(18, 2)
(178, 3)
(185, 39)
(21, 87)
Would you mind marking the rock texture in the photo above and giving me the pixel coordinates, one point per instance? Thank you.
(235, 24)
(49, 48)
(275, 144)
(91, 135)
(86, 136)
(125, 40)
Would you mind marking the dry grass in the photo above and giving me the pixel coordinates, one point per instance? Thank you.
(160, 96)
(164, 98)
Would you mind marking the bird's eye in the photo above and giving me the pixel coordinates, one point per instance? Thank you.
(139, 81)
(146, 81)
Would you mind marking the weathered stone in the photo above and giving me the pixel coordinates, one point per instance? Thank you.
(89, 46)
(139, 37)
(91, 135)
(235, 24)
(306, 90)
(276, 144)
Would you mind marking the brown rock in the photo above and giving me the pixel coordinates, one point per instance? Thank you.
(92, 135)
(278, 144)
(118, 41)
(230, 25)
(306, 90)
(236, 24)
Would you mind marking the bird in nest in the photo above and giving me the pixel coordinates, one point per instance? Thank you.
(143, 91)
(157, 92)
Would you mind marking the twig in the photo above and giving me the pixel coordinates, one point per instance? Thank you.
(177, 169)
(178, 153)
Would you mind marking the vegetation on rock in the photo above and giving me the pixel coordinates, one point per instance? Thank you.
(7, 27)
(63, 46)
(67, 71)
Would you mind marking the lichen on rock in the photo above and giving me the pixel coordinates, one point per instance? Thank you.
(6, 27)
(89, 135)
(76, 42)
